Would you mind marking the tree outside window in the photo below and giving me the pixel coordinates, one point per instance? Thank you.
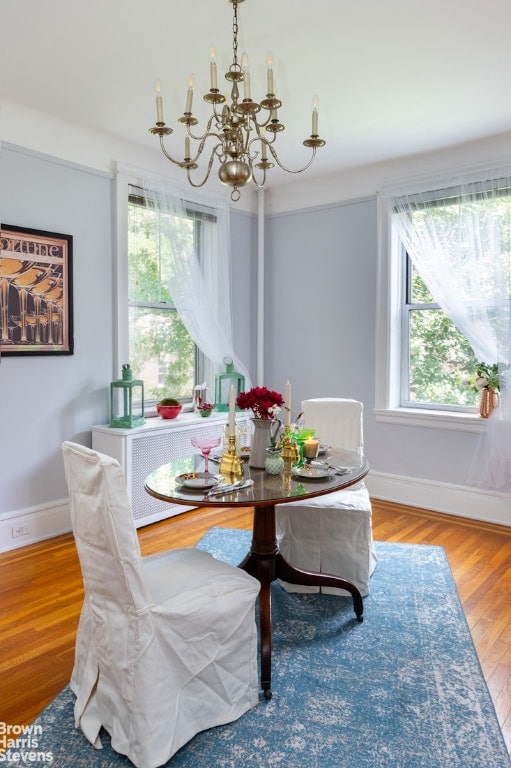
(436, 356)
(161, 351)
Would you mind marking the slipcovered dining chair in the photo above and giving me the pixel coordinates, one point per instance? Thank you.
(166, 644)
(331, 533)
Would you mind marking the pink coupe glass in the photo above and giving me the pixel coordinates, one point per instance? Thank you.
(205, 444)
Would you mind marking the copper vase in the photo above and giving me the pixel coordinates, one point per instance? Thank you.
(489, 401)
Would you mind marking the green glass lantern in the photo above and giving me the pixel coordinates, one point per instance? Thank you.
(223, 383)
(127, 400)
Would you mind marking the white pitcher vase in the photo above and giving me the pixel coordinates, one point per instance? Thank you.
(264, 431)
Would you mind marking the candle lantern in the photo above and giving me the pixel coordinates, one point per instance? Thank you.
(127, 400)
(223, 383)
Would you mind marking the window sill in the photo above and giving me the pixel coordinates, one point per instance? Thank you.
(413, 417)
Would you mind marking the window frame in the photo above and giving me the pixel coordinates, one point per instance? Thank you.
(407, 307)
(389, 343)
(124, 182)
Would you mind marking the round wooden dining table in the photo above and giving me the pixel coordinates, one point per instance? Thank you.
(264, 560)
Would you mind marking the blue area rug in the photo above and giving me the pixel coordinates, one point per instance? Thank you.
(404, 689)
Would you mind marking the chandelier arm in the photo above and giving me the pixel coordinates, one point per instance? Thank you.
(207, 132)
(206, 177)
(291, 170)
(257, 137)
(264, 123)
(167, 155)
(259, 184)
(203, 140)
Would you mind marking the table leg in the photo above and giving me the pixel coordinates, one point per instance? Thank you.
(288, 572)
(266, 564)
(260, 563)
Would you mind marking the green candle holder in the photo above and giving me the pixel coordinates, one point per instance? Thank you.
(300, 438)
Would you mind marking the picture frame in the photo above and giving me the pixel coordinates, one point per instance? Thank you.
(36, 292)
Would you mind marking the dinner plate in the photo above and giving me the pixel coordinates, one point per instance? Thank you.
(198, 481)
(312, 472)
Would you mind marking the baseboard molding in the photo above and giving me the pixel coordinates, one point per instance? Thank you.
(28, 526)
(463, 501)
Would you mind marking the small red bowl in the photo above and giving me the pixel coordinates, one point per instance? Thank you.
(169, 411)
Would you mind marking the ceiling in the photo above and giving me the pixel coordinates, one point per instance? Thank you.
(394, 77)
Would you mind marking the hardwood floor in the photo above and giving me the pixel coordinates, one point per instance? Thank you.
(41, 594)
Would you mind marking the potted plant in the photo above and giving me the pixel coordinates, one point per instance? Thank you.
(486, 380)
(206, 409)
(265, 404)
(169, 408)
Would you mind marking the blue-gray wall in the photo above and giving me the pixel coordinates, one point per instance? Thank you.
(47, 399)
(320, 319)
(321, 284)
(320, 301)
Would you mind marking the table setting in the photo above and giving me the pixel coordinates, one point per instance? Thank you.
(307, 468)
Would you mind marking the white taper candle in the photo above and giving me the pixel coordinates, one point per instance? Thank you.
(231, 431)
(288, 404)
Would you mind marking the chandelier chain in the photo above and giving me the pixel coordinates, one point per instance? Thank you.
(235, 34)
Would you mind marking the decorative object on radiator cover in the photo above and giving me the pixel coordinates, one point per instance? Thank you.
(127, 400)
(223, 383)
(205, 409)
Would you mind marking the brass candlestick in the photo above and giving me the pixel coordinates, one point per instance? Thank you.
(230, 463)
(290, 452)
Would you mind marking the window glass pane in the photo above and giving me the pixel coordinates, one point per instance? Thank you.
(149, 269)
(419, 292)
(162, 353)
(439, 358)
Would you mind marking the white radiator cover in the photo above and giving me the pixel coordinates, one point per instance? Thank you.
(141, 450)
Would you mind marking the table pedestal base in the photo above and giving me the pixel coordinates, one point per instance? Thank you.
(265, 562)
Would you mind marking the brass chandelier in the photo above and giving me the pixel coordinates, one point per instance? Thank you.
(239, 134)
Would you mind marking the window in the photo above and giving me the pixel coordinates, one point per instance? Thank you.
(161, 351)
(434, 352)
(458, 238)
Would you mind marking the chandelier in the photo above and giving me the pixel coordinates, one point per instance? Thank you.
(240, 134)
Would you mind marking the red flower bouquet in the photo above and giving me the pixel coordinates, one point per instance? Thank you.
(264, 403)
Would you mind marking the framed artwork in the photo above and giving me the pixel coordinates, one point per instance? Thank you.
(36, 292)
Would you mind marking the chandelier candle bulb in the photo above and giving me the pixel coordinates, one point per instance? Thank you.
(315, 105)
(269, 72)
(212, 68)
(159, 102)
(288, 402)
(246, 76)
(189, 96)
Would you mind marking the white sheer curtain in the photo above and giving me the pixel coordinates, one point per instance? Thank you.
(201, 291)
(461, 248)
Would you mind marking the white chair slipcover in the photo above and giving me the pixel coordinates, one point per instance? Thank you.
(166, 644)
(331, 533)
